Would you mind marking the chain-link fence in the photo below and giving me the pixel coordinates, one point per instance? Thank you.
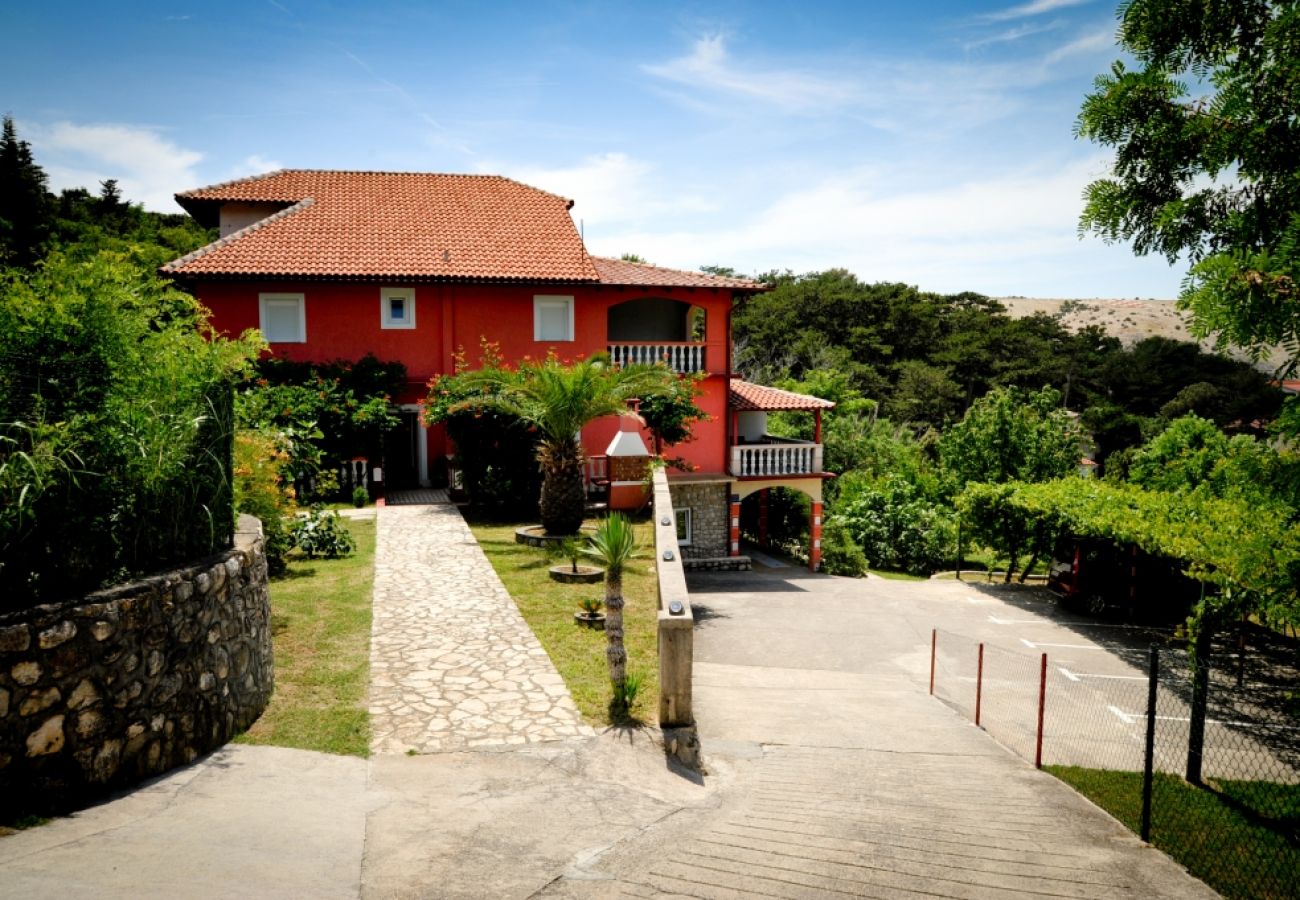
(1203, 762)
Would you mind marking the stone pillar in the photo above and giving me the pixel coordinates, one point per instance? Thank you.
(734, 516)
(815, 551)
(764, 496)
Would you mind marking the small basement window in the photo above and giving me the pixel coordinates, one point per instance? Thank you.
(283, 318)
(683, 517)
(397, 307)
(552, 318)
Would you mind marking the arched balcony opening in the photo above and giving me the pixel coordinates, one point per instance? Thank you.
(656, 329)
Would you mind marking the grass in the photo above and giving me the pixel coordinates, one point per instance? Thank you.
(320, 632)
(1239, 837)
(579, 653)
(896, 576)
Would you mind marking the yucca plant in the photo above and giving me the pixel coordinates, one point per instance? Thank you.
(559, 399)
(614, 546)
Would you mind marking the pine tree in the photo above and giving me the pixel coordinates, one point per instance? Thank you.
(25, 205)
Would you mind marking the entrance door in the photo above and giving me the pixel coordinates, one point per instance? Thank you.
(402, 454)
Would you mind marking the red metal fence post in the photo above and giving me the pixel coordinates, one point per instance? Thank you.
(979, 683)
(1042, 698)
(934, 641)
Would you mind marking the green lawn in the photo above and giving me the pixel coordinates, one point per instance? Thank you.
(320, 626)
(579, 653)
(1241, 838)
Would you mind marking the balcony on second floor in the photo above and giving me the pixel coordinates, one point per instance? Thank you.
(651, 330)
(683, 357)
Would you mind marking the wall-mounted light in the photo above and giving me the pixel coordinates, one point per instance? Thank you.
(668, 556)
(675, 608)
(666, 520)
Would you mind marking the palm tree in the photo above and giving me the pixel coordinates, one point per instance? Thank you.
(559, 399)
(613, 546)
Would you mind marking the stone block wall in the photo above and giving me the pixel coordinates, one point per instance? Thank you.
(108, 690)
(709, 526)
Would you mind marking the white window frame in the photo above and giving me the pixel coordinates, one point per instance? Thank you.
(264, 299)
(680, 517)
(386, 319)
(544, 301)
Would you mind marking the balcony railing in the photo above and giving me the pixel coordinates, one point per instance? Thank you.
(776, 457)
(681, 356)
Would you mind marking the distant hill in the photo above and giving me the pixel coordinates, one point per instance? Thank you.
(1128, 320)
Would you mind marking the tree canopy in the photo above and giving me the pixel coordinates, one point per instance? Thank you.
(1207, 158)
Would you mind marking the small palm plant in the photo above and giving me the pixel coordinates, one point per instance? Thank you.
(614, 546)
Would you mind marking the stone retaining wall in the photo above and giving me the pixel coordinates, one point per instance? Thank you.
(719, 564)
(129, 682)
(710, 529)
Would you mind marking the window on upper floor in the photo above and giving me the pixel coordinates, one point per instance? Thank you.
(397, 307)
(552, 318)
(283, 318)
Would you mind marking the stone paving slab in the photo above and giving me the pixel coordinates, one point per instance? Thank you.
(453, 664)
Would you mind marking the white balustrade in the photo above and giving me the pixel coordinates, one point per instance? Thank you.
(773, 460)
(680, 357)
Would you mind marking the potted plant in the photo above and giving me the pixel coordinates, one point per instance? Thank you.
(589, 614)
(570, 572)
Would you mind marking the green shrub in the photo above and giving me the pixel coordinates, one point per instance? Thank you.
(840, 554)
(360, 496)
(115, 427)
(260, 490)
(323, 532)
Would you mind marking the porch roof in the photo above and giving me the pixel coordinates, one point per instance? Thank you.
(746, 396)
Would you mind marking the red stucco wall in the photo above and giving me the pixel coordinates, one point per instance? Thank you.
(343, 322)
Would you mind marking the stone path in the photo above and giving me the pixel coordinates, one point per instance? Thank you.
(453, 665)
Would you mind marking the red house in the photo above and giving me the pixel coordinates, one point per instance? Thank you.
(414, 267)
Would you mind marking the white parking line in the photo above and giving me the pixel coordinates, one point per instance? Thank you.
(996, 621)
(1124, 717)
(1266, 726)
(1032, 645)
(1075, 676)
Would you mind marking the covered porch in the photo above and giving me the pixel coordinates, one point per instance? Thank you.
(760, 461)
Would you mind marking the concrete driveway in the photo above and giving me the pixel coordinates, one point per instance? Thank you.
(849, 779)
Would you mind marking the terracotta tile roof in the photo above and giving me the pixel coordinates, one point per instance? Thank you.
(391, 225)
(622, 272)
(745, 396)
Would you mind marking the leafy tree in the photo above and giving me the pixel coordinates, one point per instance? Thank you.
(924, 394)
(1249, 556)
(558, 400)
(1011, 436)
(24, 204)
(895, 523)
(1207, 163)
(671, 415)
(1192, 455)
(614, 546)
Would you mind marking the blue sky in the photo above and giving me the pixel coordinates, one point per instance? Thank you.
(928, 142)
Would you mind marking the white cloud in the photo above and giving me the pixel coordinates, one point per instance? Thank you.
(708, 66)
(1011, 34)
(1101, 39)
(1033, 8)
(254, 164)
(1001, 235)
(608, 189)
(149, 168)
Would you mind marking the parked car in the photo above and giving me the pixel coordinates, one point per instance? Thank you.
(1102, 578)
